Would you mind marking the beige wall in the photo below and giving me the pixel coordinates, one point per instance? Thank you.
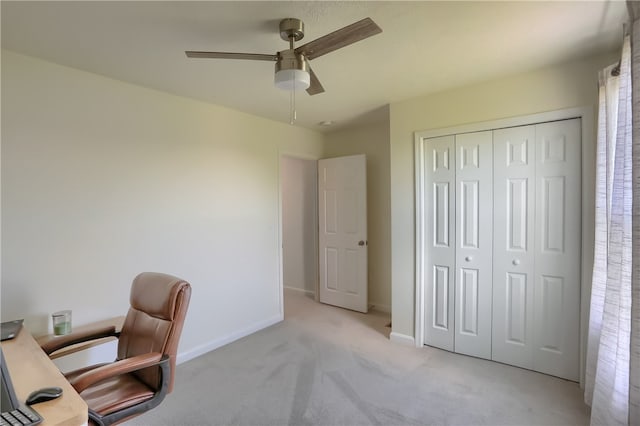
(102, 180)
(372, 139)
(565, 86)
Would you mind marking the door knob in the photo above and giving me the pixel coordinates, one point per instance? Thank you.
(468, 258)
(516, 262)
(360, 243)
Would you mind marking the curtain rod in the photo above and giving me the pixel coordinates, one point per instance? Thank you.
(615, 72)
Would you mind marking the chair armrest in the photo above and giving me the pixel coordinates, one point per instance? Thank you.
(117, 368)
(60, 342)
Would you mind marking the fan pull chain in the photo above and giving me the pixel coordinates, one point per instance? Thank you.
(292, 95)
(292, 105)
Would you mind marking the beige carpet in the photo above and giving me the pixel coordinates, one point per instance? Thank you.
(329, 366)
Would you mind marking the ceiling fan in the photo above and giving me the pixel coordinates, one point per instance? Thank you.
(292, 65)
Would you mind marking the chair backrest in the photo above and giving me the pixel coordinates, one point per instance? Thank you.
(154, 322)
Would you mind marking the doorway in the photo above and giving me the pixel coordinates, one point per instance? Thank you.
(298, 202)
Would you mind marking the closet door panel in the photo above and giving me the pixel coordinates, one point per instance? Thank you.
(439, 265)
(473, 178)
(513, 245)
(557, 242)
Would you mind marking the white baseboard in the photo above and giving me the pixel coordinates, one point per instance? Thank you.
(403, 339)
(312, 293)
(380, 307)
(224, 340)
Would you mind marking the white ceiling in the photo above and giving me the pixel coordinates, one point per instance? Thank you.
(425, 47)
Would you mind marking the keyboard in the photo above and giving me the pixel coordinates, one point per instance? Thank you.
(22, 416)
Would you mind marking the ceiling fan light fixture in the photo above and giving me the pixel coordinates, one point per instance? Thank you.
(292, 71)
(292, 79)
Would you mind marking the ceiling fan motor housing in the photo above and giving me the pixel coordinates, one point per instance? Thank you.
(291, 28)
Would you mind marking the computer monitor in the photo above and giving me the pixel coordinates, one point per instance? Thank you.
(9, 399)
(12, 411)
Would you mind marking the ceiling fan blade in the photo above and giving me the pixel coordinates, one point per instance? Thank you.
(339, 38)
(231, 55)
(315, 87)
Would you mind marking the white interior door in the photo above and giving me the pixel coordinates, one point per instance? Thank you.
(342, 220)
(513, 245)
(474, 240)
(557, 242)
(439, 230)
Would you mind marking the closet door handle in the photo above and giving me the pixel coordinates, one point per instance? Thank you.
(516, 262)
(468, 258)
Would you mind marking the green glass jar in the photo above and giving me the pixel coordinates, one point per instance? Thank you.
(61, 322)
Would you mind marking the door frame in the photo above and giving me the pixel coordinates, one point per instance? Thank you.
(588, 149)
(280, 250)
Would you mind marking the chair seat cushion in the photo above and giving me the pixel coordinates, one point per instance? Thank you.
(114, 394)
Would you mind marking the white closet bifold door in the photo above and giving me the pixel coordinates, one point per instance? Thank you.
(474, 236)
(501, 228)
(557, 243)
(439, 220)
(513, 245)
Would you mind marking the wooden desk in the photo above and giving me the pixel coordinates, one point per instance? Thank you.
(31, 369)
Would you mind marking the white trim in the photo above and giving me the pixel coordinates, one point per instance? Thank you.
(586, 114)
(279, 237)
(379, 307)
(402, 339)
(224, 340)
(301, 290)
(420, 250)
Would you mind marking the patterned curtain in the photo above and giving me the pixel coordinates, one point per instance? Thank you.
(612, 382)
(634, 363)
(607, 380)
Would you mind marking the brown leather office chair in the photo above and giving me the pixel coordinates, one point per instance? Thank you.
(142, 375)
